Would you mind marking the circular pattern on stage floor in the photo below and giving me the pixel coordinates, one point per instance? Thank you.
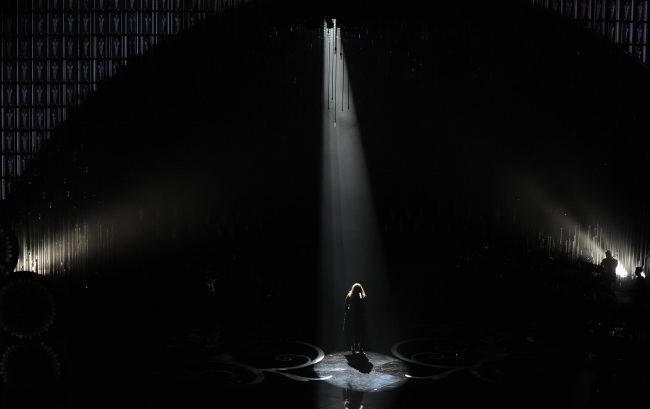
(27, 306)
(373, 372)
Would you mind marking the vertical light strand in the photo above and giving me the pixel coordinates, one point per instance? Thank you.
(336, 64)
(329, 71)
(342, 80)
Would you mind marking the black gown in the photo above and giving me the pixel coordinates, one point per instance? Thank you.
(354, 319)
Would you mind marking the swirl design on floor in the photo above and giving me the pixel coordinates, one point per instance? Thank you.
(292, 359)
(488, 356)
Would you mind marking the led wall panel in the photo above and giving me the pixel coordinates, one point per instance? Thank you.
(56, 53)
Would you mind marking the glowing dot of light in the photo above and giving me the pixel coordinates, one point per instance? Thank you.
(621, 271)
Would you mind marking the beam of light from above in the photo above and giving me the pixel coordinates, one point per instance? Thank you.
(350, 245)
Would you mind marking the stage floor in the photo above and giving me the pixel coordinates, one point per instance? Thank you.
(454, 363)
(548, 352)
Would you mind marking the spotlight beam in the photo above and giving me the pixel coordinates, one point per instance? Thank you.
(350, 245)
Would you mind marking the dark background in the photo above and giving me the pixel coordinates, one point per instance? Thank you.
(480, 122)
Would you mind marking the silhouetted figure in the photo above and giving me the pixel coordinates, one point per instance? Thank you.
(640, 297)
(640, 288)
(609, 265)
(354, 319)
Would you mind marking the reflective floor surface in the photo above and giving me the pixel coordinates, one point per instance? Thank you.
(449, 363)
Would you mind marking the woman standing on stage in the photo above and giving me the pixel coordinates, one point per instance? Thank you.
(354, 319)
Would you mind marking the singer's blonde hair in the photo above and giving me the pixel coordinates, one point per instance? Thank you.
(360, 290)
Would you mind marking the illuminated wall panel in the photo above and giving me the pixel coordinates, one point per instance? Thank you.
(623, 22)
(55, 53)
